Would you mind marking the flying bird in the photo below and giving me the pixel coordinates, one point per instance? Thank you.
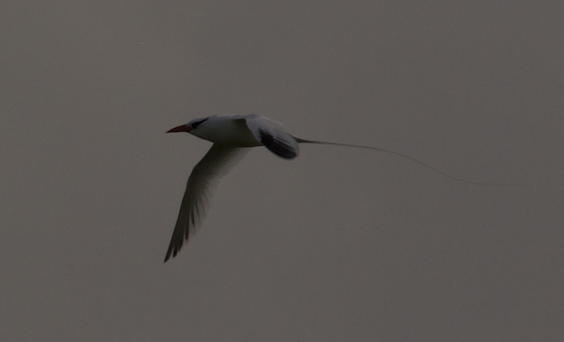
(231, 136)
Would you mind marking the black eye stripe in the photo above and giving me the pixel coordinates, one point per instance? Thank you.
(198, 123)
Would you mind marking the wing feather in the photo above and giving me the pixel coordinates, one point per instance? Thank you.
(205, 176)
(272, 136)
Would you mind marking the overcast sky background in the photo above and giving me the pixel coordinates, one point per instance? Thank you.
(337, 245)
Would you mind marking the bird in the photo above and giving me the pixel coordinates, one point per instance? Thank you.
(232, 136)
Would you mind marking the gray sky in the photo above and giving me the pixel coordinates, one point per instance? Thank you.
(337, 245)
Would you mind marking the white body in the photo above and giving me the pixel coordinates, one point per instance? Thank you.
(228, 130)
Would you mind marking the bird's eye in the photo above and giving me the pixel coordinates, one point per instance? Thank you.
(198, 123)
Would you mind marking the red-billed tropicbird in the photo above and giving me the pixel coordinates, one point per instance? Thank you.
(231, 135)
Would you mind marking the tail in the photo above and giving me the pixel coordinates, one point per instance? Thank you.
(304, 141)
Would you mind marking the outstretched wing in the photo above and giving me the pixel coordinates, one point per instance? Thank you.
(271, 135)
(206, 174)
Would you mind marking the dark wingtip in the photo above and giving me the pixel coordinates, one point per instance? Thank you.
(168, 253)
(171, 251)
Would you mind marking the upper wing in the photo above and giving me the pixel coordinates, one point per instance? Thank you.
(206, 174)
(271, 135)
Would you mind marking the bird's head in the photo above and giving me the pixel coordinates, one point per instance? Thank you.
(189, 127)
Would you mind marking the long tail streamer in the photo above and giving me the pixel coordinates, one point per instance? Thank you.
(304, 141)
